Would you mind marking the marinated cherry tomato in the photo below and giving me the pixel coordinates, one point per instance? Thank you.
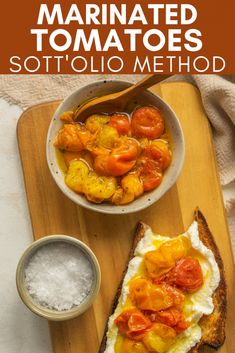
(95, 122)
(151, 181)
(148, 296)
(187, 274)
(182, 325)
(140, 289)
(72, 137)
(147, 122)
(159, 338)
(178, 247)
(121, 159)
(132, 188)
(132, 323)
(107, 136)
(172, 317)
(156, 263)
(121, 123)
(150, 173)
(162, 260)
(148, 165)
(158, 150)
(137, 322)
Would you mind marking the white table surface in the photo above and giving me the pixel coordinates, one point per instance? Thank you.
(20, 330)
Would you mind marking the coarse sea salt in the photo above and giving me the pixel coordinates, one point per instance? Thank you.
(59, 276)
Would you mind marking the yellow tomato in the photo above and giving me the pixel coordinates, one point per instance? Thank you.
(147, 296)
(178, 247)
(98, 188)
(139, 289)
(132, 188)
(157, 264)
(160, 261)
(155, 297)
(96, 121)
(76, 175)
(107, 136)
(159, 338)
(131, 183)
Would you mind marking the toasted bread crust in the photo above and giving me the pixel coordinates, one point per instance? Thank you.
(213, 326)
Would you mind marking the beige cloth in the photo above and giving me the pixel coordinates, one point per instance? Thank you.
(218, 97)
(28, 90)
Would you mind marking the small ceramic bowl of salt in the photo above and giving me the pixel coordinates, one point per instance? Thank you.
(58, 277)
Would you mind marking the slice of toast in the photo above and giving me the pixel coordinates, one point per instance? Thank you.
(213, 325)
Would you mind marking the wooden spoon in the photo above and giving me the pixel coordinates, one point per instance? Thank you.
(116, 101)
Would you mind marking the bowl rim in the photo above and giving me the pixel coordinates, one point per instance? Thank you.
(45, 312)
(126, 209)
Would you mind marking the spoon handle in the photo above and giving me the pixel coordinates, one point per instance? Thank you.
(116, 101)
(146, 82)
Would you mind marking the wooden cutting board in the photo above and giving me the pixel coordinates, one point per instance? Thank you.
(110, 237)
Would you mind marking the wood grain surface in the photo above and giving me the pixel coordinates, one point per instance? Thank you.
(110, 237)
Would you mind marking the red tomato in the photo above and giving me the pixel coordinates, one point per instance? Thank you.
(121, 123)
(182, 325)
(151, 181)
(153, 152)
(172, 317)
(133, 323)
(160, 152)
(187, 274)
(147, 122)
(120, 160)
(150, 173)
(149, 165)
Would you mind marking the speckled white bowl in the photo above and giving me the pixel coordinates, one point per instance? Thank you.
(100, 88)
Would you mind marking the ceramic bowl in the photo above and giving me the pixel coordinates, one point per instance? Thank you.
(41, 310)
(100, 88)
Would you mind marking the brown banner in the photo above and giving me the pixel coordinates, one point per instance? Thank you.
(117, 37)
